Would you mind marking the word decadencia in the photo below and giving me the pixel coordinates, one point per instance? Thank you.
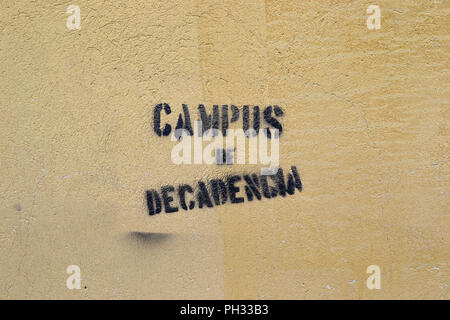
(218, 192)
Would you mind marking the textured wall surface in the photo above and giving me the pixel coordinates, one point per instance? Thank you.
(366, 122)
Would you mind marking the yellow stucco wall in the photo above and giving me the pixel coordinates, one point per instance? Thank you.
(366, 123)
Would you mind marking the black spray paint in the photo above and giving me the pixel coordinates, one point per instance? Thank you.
(233, 189)
(221, 118)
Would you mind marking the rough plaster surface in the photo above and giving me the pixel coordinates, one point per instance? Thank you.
(366, 123)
